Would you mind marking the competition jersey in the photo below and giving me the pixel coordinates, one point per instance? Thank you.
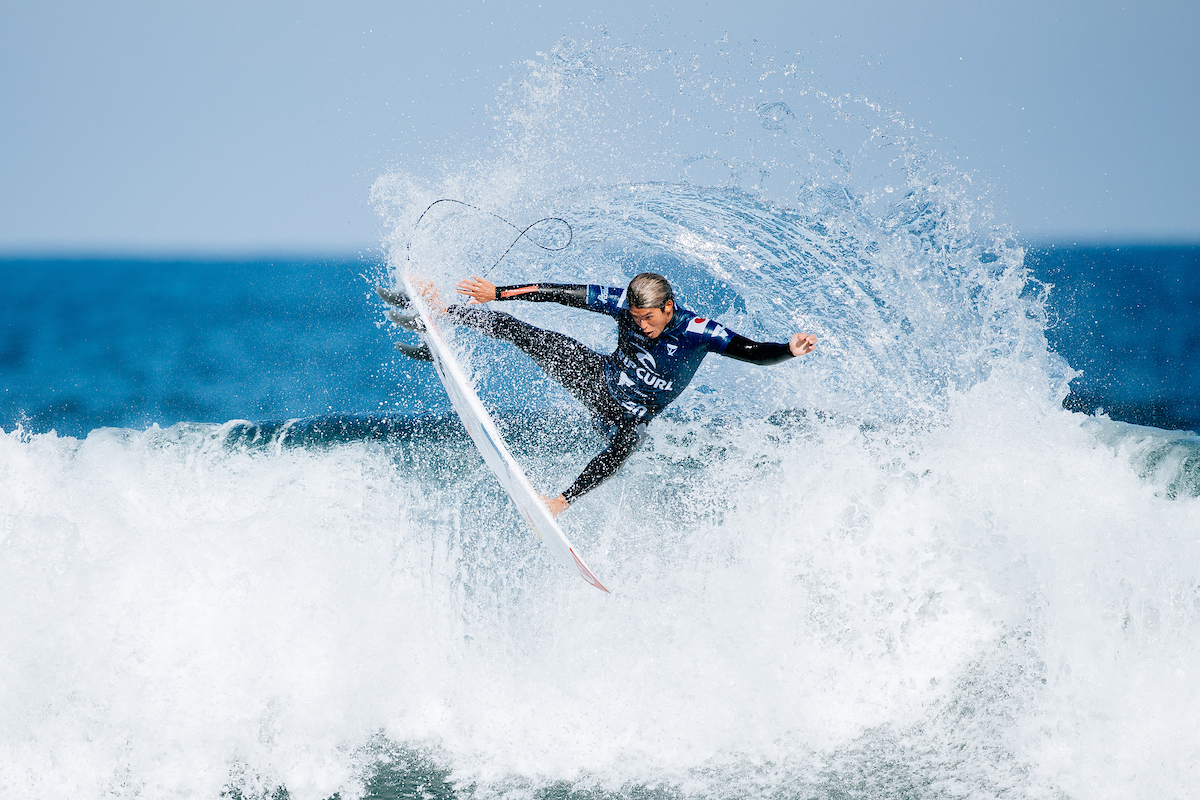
(645, 375)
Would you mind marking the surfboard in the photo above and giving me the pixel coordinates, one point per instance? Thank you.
(487, 438)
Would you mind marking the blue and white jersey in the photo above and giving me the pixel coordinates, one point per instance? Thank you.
(645, 375)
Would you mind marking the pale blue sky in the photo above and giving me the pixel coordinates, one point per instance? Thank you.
(228, 127)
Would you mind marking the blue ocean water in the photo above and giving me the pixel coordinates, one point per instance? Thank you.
(132, 342)
(246, 550)
(1127, 317)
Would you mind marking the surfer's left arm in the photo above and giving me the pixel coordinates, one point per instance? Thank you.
(766, 353)
(481, 290)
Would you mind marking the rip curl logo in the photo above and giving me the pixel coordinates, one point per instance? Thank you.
(671, 349)
(646, 376)
(655, 381)
(646, 372)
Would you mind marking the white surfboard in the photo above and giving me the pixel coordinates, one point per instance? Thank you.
(487, 438)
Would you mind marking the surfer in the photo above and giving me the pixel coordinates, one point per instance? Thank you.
(659, 348)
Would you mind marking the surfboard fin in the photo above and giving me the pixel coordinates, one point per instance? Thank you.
(394, 297)
(417, 352)
(410, 320)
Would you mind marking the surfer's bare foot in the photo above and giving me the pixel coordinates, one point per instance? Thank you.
(557, 505)
(430, 293)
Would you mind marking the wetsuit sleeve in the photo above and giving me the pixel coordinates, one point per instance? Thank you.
(761, 353)
(605, 465)
(574, 295)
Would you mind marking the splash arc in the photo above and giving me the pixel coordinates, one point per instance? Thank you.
(487, 438)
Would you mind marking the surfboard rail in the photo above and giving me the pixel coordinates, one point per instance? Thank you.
(491, 445)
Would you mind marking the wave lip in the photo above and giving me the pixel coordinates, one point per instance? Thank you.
(1167, 460)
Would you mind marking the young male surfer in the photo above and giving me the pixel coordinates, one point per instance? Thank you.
(659, 348)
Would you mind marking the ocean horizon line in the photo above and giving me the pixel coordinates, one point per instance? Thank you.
(265, 253)
(192, 256)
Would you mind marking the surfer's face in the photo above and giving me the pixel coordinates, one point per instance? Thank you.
(653, 321)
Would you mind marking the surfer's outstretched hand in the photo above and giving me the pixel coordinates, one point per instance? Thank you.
(557, 505)
(802, 343)
(478, 289)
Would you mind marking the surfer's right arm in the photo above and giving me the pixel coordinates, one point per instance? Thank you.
(481, 290)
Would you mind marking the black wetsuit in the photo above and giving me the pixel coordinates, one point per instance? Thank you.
(628, 387)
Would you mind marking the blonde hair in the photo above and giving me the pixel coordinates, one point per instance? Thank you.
(650, 290)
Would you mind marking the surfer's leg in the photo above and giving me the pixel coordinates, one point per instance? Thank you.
(576, 366)
(630, 434)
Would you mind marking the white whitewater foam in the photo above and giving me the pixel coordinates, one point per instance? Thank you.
(998, 602)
